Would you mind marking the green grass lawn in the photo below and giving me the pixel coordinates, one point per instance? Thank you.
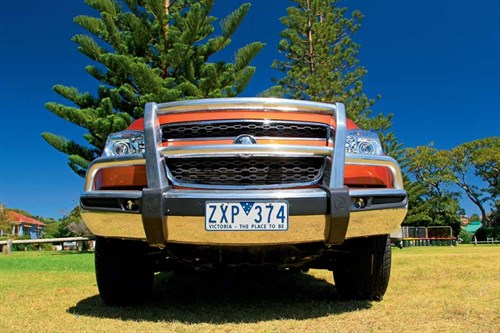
(432, 289)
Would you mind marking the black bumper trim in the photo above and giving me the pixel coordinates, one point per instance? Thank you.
(153, 215)
(340, 208)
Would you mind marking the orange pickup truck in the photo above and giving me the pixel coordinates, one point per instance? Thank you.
(243, 183)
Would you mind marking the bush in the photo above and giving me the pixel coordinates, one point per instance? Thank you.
(483, 233)
(465, 236)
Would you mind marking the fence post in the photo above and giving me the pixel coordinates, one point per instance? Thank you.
(7, 248)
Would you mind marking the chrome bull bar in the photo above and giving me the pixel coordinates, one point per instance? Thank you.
(154, 216)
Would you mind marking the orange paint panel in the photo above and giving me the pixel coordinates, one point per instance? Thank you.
(367, 176)
(235, 115)
(134, 177)
(117, 178)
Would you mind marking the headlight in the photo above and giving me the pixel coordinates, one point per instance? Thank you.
(363, 142)
(124, 143)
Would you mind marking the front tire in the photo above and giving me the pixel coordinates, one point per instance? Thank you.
(124, 272)
(363, 268)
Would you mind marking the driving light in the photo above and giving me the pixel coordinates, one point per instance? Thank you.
(363, 142)
(124, 143)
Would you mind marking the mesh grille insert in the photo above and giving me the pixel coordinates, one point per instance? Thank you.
(233, 129)
(242, 171)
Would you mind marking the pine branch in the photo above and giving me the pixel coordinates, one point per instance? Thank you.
(155, 50)
(245, 54)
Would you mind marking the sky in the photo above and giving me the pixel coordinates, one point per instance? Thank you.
(436, 64)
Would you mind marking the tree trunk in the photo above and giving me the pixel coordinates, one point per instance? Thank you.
(475, 200)
(166, 4)
(310, 38)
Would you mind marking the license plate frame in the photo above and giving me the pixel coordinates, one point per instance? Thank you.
(251, 215)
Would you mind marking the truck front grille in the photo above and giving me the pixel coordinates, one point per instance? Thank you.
(235, 128)
(235, 171)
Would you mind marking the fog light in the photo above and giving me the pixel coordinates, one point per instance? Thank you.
(358, 202)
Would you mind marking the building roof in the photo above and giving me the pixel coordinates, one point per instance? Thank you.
(17, 218)
(473, 227)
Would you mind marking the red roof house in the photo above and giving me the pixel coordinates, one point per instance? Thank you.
(23, 225)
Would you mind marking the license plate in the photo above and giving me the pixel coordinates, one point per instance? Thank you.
(246, 215)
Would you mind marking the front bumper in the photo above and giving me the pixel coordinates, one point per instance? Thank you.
(106, 214)
(161, 214)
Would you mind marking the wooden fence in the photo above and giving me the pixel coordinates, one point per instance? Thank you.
(7, 244)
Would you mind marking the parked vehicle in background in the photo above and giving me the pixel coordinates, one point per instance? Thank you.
(242, 183)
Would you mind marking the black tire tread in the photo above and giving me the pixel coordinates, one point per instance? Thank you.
(363, 270)
(123, 271)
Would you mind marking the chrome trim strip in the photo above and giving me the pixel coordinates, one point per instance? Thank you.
(239, 121)
(110, 162)
(230, 150)
(243, 187)
(245, 103)
(154, 166)
(377, 160)
(112, 195)
(221, 138)
(375, 192)
(240, 195)
(338, 156)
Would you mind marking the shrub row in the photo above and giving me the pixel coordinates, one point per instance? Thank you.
(488, 232)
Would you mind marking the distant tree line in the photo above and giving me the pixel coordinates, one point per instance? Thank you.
(70, 225)
(4, 222)
(442, 177)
